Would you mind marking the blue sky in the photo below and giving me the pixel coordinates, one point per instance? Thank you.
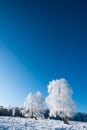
(41, 41)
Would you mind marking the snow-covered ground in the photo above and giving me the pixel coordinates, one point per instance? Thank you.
(13, 123)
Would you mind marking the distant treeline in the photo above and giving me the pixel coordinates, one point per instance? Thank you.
(21, 112)
(10, 111)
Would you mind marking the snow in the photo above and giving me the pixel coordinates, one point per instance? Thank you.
(14, 123)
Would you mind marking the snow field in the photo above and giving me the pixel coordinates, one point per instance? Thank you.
(13, 123)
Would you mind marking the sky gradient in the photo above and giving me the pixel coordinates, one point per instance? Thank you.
(41, 40)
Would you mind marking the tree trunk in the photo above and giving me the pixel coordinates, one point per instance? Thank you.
(32, 116)
(65, 121)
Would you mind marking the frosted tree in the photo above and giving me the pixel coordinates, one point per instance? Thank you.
(13, 111)
(60, 100)
(35, 104)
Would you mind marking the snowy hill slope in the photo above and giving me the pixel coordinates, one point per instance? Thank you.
(13, 123)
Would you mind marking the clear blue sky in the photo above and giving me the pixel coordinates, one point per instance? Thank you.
(41, 40)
